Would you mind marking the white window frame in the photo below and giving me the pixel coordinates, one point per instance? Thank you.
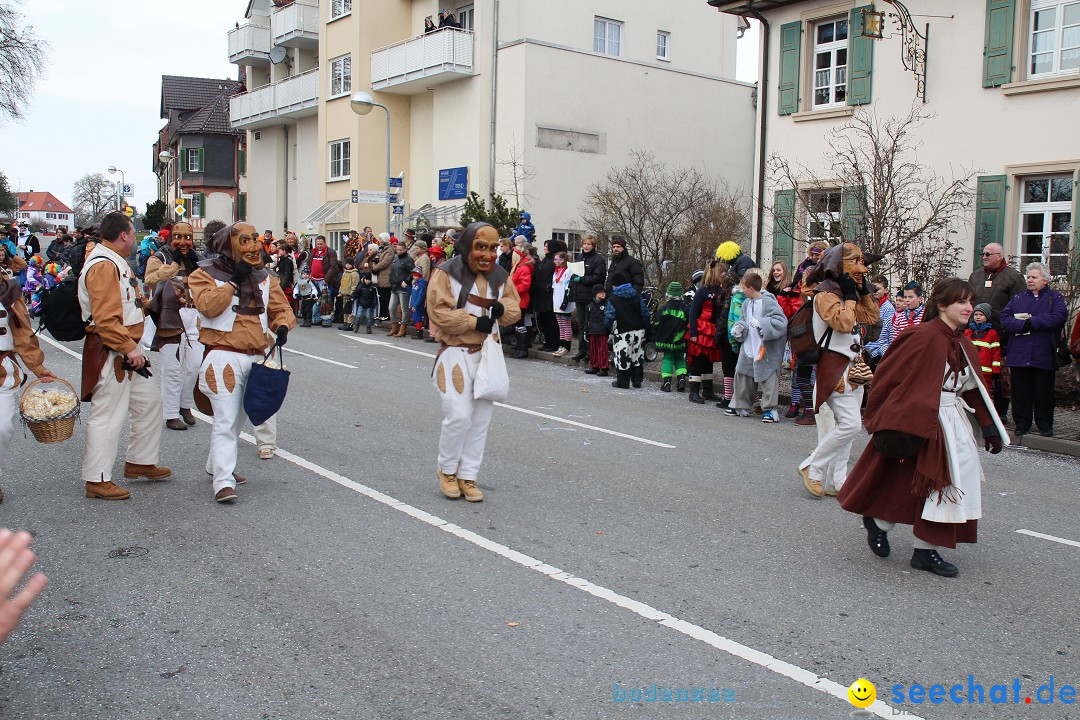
(466, 17)
(194, 205)
(1047, 210)
(1055, 36)
(607, 36)
(663, 45)
(572, 238)
(828, 219)
(343, 161)
(191, 164)
(339, 9)
(834, 48)
(340, 76)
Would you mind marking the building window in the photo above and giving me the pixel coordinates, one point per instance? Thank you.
(340, 76)
(663, 40)
(195, 205)
(1054, 42)
(195, 160)
(830, 63)
(339, 8)
(571, 238)
(466, 16)
(339, 160)
(337, 239)
(823, 216)
(1046, 222)
(607, 36)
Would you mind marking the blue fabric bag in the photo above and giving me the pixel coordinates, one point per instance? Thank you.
(266, 388)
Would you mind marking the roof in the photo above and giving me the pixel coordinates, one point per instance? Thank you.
(41, 202)
(212, 118)
(191, 93)
(744, 7)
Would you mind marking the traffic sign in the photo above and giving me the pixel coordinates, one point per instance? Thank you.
(399, 209)
(129, 211)
(180, 209)
(395, 182)
(371, 197)
(128, 190)
(393, 199)
(356, 196)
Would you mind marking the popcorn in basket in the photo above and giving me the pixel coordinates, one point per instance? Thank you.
(50, 413)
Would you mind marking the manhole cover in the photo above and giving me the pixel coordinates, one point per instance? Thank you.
(128, 552)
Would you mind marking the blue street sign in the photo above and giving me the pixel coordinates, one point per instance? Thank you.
(454, 183)
(399, 209)
(395, 182)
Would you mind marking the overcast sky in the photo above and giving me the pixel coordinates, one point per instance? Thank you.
(98, 103)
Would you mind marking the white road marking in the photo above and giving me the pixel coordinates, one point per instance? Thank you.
(1052, 538)
(325, 360)
(62, 348)
(564, 421)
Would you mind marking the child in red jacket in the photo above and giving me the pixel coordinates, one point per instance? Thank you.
(986, 342)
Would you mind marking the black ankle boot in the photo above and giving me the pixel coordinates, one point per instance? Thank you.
(707, 392)
(876, 538)
(930, 561)
(680, 385)
(666, 385)
(695, 394)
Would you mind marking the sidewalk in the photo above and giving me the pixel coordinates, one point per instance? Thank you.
(1066, 440)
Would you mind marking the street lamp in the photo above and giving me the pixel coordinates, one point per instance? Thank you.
(361, 104)
(167, 157)
(120, 190)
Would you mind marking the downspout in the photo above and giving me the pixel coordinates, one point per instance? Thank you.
(763, 104)
(494, 94)
(285, 206)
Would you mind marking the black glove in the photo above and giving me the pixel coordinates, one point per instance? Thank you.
(848, 289)
(866, 288)
(497, 310)
(485, 324)
(1027, 327)
(240, 272)
(991, 439)
(282, 335)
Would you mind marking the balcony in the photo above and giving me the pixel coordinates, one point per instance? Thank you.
(294, 97)
(249, 45)
(412, 66)
(296, 25)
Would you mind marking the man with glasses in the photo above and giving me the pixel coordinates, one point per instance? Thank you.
(996, 284)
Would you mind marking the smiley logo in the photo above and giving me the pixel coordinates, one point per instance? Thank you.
(861, 694)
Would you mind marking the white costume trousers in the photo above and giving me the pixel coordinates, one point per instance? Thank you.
(119, 393)
(222, 378)
(9, 404)
(465, 420)
(180, 367)
(266, 434)
(829, 461)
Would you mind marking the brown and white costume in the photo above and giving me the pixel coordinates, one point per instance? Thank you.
(109, 303)
(235, 325)
(17, 340)
(177, 335)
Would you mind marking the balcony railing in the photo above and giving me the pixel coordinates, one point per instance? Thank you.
(293, 97)
(296, 25)
(411, 66)
(249, 45)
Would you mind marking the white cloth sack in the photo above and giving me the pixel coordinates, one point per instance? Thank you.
(492, 382)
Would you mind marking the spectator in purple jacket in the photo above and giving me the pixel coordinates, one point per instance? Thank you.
(1034, 320)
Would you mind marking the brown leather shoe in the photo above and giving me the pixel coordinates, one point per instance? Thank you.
(238, 479)
(448, 484)
(150, 472)
(107, 490)
(176, 424)
(806, 419)
(393, 330)
(187, 416)
(812, 486)
(470, 491)
(403, 330)
(225, 495)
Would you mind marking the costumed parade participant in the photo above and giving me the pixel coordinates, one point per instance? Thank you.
(239, 304)
(116, 379)
(844, 308)
(16, 339)
(922, 466)
(176, 319)
(467, 295)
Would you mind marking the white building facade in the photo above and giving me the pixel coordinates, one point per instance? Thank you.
(1001, 79)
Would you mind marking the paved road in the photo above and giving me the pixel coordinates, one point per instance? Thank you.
(649, 542)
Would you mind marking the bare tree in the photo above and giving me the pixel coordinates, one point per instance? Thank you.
(22, 61)
(892, 204)
(93, 196)
(672, 217)
(520, 174)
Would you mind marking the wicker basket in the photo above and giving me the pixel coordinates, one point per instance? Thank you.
(53, 430)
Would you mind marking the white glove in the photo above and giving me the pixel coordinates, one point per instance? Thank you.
(737, 331)
(753, 322)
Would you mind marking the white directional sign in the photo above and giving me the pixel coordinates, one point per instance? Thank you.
(371, 197)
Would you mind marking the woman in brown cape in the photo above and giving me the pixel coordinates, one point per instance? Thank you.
(922, 467)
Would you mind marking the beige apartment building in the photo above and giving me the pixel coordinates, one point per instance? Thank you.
(1001, 78)
(553, 94)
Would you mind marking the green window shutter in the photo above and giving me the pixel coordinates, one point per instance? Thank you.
(851, 214)
(998, 48)
(783, 225)
(989, 213)
(202, 198)
(202, 160)
(241, 162)
(860, 59)
(790, 52)
(241, 207)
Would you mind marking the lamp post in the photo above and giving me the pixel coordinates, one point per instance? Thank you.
(167, 157)
(361, 104)
(120, 190)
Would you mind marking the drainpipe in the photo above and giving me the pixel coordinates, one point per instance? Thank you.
(285, 206)
(494, 94)
(763, 106)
